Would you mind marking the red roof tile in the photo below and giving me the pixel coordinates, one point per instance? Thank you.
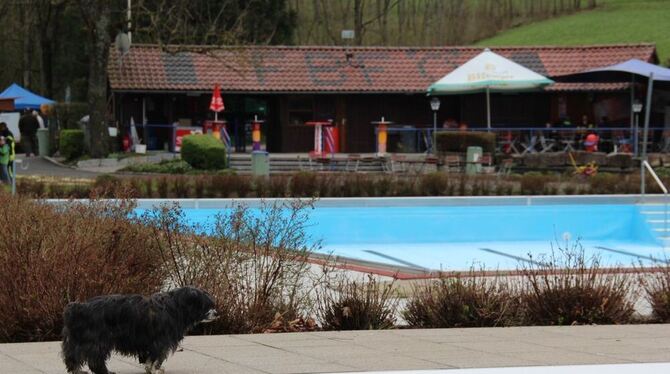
(340, 69)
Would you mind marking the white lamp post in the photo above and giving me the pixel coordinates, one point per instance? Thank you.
(435, 106)
(637, 108)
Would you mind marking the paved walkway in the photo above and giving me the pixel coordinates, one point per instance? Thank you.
(332, 352)
(38, 166)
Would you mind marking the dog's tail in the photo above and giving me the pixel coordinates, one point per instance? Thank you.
(73, 318)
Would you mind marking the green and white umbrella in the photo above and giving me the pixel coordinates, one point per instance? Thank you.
(488, 72)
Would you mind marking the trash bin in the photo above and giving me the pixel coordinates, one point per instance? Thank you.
(472, 165)
(260, 163)
(43, 142)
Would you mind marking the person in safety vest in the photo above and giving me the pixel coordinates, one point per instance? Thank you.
(9, 137)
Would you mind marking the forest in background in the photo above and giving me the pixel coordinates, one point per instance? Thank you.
(419, 22)
(43, 42)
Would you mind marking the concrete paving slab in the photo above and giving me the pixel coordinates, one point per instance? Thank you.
(573, 369)
(429, 349)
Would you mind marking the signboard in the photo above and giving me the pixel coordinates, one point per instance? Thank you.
(181, 132)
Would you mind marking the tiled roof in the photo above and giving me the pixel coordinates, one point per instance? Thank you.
(342, 69)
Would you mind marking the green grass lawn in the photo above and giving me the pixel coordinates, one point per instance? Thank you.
(613, 21)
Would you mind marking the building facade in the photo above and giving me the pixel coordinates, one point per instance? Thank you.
(353, 87)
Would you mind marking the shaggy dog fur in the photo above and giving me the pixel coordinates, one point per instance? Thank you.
(149, 328)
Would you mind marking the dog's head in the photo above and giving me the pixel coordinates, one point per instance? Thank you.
(198, 306)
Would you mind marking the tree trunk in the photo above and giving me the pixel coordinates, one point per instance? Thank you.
(358, 22)
(99, 18)
(27, 55)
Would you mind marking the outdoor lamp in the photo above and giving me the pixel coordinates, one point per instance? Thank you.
(435, 104)
(637, 106)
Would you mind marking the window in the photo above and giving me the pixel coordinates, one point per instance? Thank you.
(300, 110)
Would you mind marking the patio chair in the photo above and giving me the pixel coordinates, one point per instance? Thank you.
(320, 160)
(452, 163)
(568, 140)
(429, 160)
(353, 160)
(546, 143)
(622, 144)
(397, 163)
(665, 143)
(530, 144)
(505, 167)
(486, 162)
(507, 143)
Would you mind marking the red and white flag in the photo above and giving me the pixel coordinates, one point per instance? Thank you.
(217, 102)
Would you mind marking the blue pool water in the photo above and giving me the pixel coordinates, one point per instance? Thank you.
(458, 237)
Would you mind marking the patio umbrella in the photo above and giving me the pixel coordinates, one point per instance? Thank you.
(216, 105)
(625, 72)
(489, 72)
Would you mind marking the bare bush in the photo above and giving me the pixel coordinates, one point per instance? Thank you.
(253, 261)
(569, 288)
(347, 304)
(656, 287)
(51, 255)
(463, 301)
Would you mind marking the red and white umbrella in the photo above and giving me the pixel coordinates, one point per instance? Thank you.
(216, 105)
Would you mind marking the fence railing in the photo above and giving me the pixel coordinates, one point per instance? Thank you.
(522, 140)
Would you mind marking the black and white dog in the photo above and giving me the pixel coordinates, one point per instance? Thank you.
(149, 328)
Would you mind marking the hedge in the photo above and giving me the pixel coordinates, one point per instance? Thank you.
(71, 143)
(459, 141)
(204, 152)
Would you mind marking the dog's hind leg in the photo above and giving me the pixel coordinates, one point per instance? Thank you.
(98, 366)
(72, 358)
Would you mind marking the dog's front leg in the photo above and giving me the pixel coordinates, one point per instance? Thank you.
(151, 367)
(148, 366)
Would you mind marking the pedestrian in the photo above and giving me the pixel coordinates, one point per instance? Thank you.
(9, 137)
(28, 126)
(4, 160)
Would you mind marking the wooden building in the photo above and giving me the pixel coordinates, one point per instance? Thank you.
(354, 86)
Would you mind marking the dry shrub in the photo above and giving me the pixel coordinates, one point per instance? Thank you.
(31, 187)
(433, 184)
(181, 186)
(230, 185)
(568, 288)
(51, 255)
(657, 292)
(304, 184)
(534, 183)
(253, 262)
(199, 186)
(346, 304)
(605, 183)
(462, 301)
(163, 187)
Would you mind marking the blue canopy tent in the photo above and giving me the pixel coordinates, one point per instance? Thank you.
(624, 72)
(24, 99)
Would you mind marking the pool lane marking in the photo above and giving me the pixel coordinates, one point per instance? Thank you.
(513, 256)
(654, 259)
(406, 263)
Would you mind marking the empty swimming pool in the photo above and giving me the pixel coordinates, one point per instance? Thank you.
(457, 233)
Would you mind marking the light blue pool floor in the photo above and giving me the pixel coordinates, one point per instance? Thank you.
(494, 255)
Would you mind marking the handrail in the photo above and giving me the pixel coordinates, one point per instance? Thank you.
(665, 196)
